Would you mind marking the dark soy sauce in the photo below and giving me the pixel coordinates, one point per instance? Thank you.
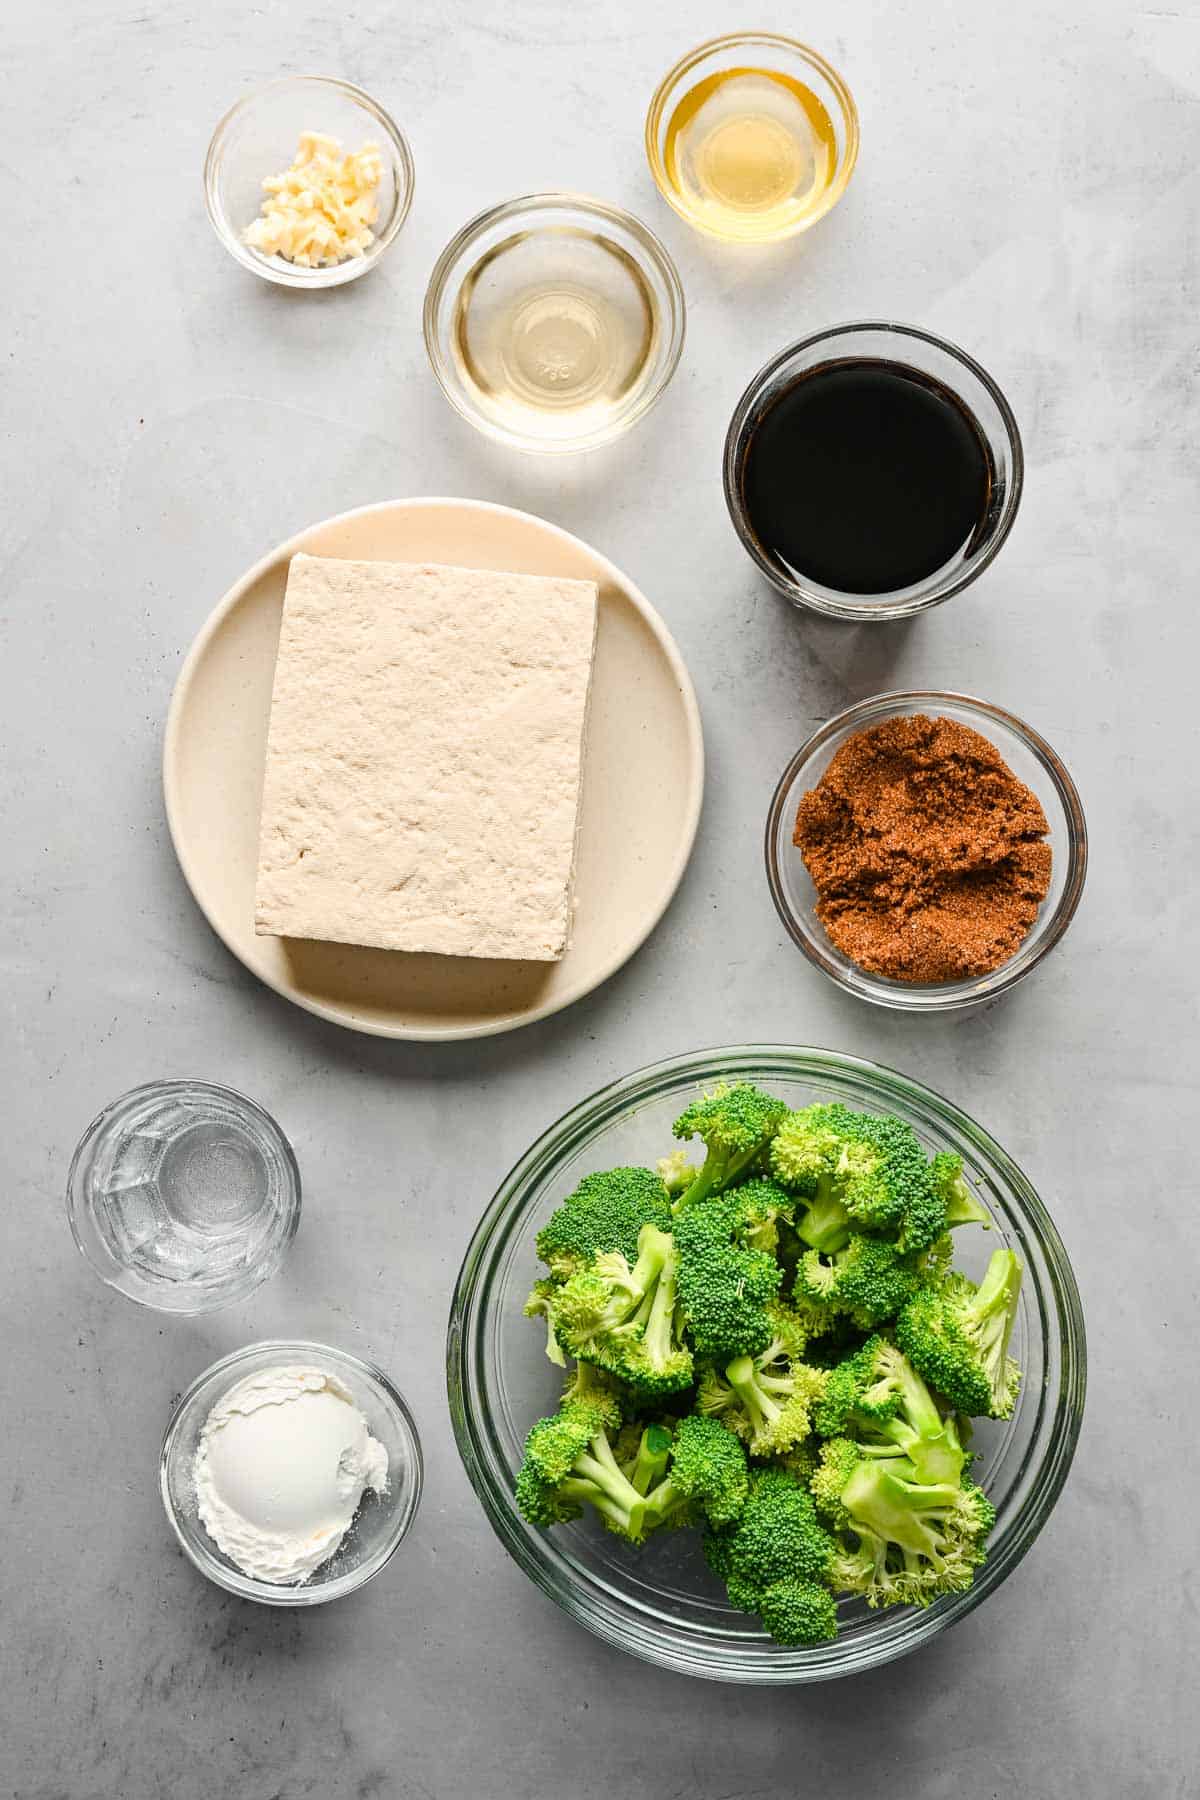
(865, 476)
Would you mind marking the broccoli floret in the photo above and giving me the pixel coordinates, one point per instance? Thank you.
(877, 1397)
(767, 1399)
(677, 1172)
(623, 1319)
(735, 1124)
(805, 1153)
(540, 1305)
(802, 1459)
(798, 1612)
(806, 1148)
(723, 1286)
(644, 1454)
(901, 1541)
(837, 1461)
(776, 1539)
(762, 1206)
(962, 1208)
(605, 1213)
(858, 1172)
(958, 1334)
(569, 1462)
(869, 1279)
(707, 1477)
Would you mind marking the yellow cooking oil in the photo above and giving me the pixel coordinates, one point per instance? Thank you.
(750, 152)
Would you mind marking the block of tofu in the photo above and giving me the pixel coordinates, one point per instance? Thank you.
(425, 758)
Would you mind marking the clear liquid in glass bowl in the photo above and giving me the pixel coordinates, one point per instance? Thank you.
(184, 1195)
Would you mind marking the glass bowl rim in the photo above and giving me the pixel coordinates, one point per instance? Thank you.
(246, 1587)
(338, 273)
(866, 610)
(779, 41)
(173, 1085)
(564, 199)
(972, 990)
(503, 1217)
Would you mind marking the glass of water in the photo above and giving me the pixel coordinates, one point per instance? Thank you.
(184, 1195)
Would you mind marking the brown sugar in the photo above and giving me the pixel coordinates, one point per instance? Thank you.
(927, 853)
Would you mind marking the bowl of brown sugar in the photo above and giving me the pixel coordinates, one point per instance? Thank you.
(926, 850)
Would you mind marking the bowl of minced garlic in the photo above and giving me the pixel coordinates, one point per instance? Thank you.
(926, 850)
(307, 181)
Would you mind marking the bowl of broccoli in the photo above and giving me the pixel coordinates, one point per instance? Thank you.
(767, 1364)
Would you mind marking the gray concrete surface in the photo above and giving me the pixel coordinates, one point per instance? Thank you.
(1030, 186)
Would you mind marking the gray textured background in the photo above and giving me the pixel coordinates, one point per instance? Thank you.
(1028, 186)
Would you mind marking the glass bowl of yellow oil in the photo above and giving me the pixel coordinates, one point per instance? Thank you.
(554, 322)
(752, 137)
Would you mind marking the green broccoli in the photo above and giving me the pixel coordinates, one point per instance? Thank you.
(802, 1459)
(958, 1334)
(677, 1172)
(540, 1305)
(901, 1541)
(877, 1397)
(858, 1172)
(798, 1612)
(735, 1123)
(869, 1280)
(767, 1399)
(707, 1478)
(962, 1208)
(762, 1206)
(644, 1454)
(623, 1319)
(724, 1287)
(776, 1540)
(606, 1212)
(818, 1443)
(569, 1462)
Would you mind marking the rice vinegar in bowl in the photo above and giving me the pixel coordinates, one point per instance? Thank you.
(554, 322)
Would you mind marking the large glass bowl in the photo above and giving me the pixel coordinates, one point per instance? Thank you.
(660, 1602)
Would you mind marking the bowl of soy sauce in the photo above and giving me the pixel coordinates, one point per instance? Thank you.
(872, 471)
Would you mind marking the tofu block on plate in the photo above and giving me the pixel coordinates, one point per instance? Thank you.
(425, 757)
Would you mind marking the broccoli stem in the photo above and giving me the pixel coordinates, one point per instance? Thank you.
(650, 1464)
(719, 1171)
(654, 1248)
(900, 1510)
(615, 1494)
(751, 1388)
(826, 1223)
(962, 1208)
(993, 1310)
(660, 1323)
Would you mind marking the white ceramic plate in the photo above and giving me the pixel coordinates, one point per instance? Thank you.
(642, 786)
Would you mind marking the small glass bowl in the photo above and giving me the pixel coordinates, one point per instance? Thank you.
(661, 1603)
(516, 223)
(382, 1519)
(913, 349)
(760, 50)
(258, 137)
(184, 1196)
(1029, 757)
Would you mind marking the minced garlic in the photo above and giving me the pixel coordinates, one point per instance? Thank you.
(320, 211)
